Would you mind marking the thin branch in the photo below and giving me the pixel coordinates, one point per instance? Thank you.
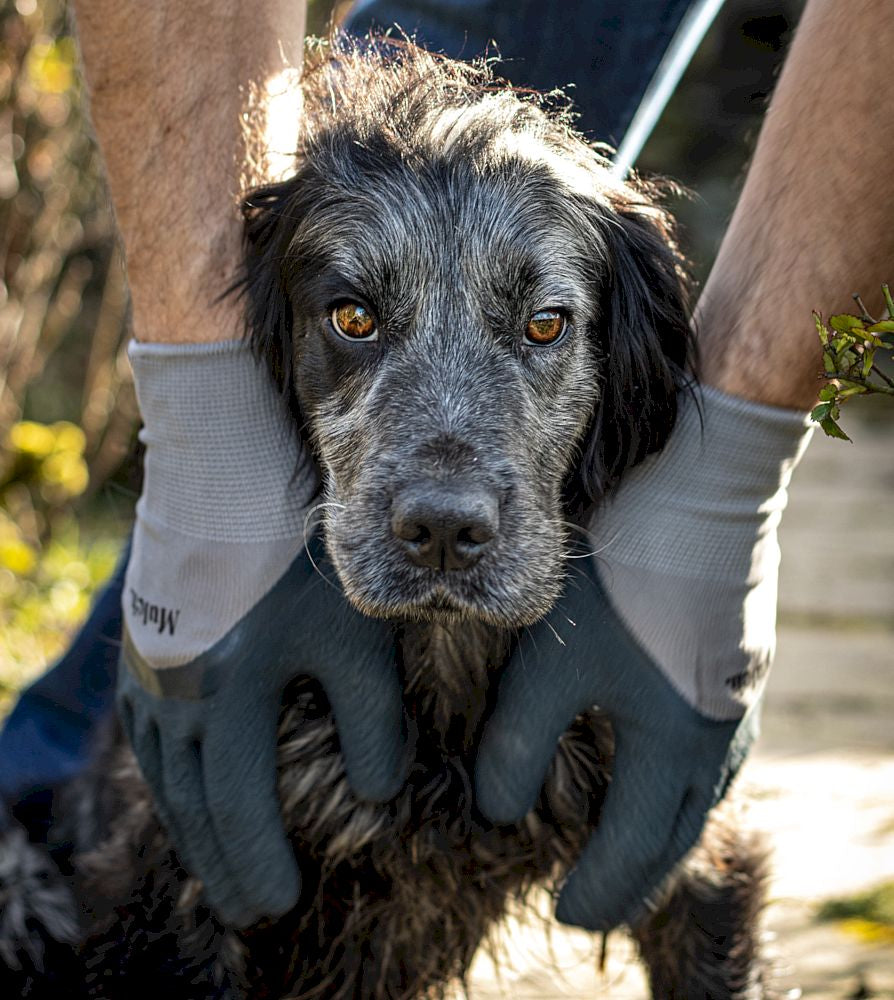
(870, 388)
(862, 307)
(889, 301)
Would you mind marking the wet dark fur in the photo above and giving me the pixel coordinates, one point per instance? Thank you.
(398, 897)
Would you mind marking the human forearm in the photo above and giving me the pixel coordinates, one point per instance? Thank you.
(810, 227)
(175, 146)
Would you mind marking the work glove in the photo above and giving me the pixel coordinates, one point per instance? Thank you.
(667, 624)
(223, 604)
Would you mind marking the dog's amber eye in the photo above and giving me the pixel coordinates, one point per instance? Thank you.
(354, 322)
(545, 327)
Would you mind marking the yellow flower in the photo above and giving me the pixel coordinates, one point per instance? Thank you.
(32, 438)
(66, 469)
(69, 437)
(17, 556)
(51, 65)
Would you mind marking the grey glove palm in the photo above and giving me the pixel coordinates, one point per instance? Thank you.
(205, 732)
(222, 607)
(671, 763)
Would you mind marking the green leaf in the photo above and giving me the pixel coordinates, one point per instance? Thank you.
(844, 322)
(829, 363)
(828, 392)
(852, 390)
(886, 326)
(846, 362)
(833, 430)
(847, 359)
(821, 412)
(867, 363)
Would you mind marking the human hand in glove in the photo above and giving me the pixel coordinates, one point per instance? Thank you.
(669, 628)
(223, 606)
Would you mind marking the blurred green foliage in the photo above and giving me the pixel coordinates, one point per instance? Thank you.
(48, 571)
(63, 300)
(63, 321)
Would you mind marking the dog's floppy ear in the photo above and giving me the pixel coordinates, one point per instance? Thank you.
(646, 338)
(268, 307)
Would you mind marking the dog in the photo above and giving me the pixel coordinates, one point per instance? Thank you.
(476, 329)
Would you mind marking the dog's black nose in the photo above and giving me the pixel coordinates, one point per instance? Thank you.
(445, 527)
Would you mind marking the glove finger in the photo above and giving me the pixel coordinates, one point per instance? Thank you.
(126, 716)
(145, 741)
(635, 829)
(181, 805)
(695, 802)
(533, 709)
(367, 705)
(240, 790)
(690, 824)
(687, 830)
(184, 812)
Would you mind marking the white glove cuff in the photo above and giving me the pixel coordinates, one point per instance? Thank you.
(721, 479)
(222, 462)
(687, 548)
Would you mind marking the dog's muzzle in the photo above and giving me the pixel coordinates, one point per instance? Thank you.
(445, 527)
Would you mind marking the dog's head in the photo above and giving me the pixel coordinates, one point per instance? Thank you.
(472, 322)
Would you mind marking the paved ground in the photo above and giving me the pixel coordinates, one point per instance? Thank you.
(822, 779)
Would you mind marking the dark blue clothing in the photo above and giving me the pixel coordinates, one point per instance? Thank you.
(609, 50)
(48, 735)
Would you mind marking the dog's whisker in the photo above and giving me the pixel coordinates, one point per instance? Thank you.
(564, 523)
(594, 552)
(316, 507)
(574, 577)
(558, 609)
(521, 648)
(552, 629)
(313, 561)
(319, 571)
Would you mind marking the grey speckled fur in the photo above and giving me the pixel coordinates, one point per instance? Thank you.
(455, 209)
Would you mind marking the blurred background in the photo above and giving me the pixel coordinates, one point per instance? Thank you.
(69, 478)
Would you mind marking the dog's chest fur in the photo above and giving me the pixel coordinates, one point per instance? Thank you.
(435, 875)
(396, 897)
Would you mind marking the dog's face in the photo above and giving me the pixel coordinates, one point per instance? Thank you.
(471, 321)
